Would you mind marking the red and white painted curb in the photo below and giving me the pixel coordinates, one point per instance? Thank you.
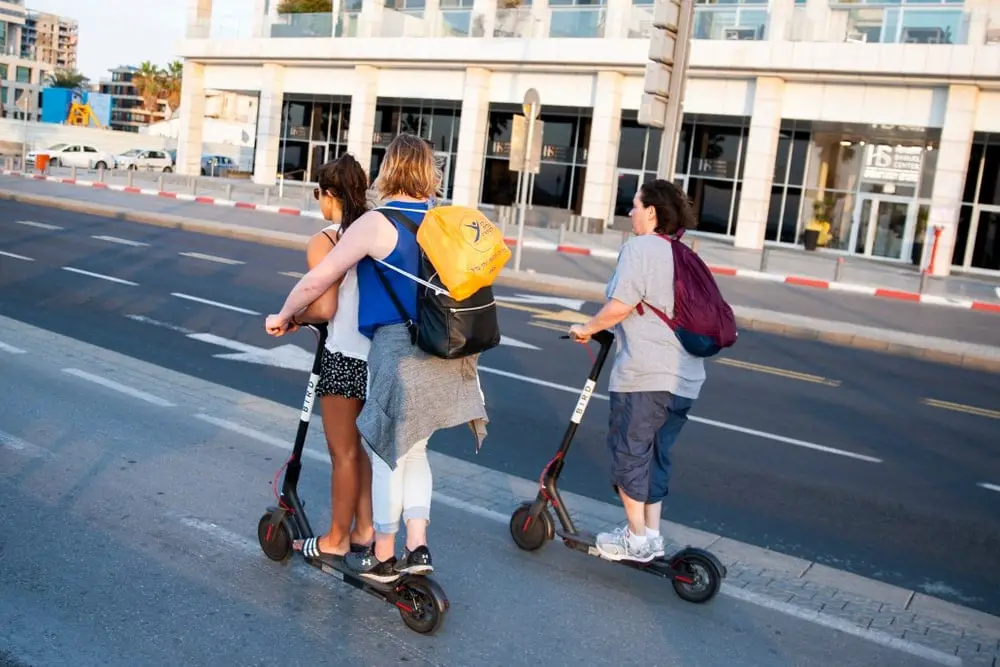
(800, 281)
(180, 196)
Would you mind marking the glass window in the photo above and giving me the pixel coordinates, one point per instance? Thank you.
(989, 190)
(631, 145)
(986, 250)
(716, 151)
(23, 75)
(320, 122)
(962, 235)
(712, 200)
(972, 171)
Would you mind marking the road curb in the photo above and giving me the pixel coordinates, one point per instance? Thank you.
(556, 285)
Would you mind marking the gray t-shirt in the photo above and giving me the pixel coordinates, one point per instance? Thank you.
(649, 357)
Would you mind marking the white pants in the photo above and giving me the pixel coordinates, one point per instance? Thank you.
(404, 491)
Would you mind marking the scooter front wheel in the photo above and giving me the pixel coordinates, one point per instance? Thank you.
(704, 578)
(422, 605)
(528, 534)
(274, 538)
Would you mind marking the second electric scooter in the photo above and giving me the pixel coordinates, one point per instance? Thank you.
(421, 602)
(696, 573)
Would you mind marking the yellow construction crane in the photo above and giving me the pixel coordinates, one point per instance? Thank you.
(81, 114)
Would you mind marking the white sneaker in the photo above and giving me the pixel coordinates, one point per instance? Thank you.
(657, 546)
(617, 546)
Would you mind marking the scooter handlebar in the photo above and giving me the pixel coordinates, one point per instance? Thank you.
(604, 338)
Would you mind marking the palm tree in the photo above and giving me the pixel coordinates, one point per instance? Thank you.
(172, 83)
(148, 81)
(67, 78)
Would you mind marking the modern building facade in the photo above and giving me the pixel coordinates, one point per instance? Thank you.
(127, 111)
(881, 119)
(50, 39)
(21, 75)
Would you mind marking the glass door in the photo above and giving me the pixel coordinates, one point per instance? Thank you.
(444, 161)
(317, 158)
(883, 227)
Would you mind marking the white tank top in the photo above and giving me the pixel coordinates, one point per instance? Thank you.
(343, 330)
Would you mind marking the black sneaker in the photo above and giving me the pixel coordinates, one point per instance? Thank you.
(368, 566)
(417, 561)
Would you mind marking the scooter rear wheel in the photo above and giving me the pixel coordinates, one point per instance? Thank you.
(705, 575)
(531, 535)
(275, 540)
(422, 605)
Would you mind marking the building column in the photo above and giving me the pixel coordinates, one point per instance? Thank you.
(473, 125)
(602, 152)
(192, 119)
(758, 171)
(781, 19)
(272, 96)
(199, 19)
(261, 20)
(952, 163)
(362, 126)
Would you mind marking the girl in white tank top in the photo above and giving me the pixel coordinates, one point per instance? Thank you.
(342, 387)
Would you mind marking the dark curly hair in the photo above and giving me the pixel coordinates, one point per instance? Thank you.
(673, 209)
(344, 179)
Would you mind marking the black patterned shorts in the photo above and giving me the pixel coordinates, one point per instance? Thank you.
(342, 376)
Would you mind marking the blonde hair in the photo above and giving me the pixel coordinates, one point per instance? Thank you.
(409, 169)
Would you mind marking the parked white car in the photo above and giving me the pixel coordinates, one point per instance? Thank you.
(81, 156)
(149, 160)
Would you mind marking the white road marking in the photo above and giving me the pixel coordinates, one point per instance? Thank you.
(212, 339)
(21, 446)
(214, 303)
(701, 420)
(119, 387)
(39, 225)
(990, 487)
(513, 342)
(259, 437)
(4, 347)
(115, 239)
(210, 258)
(842, 625)
(99, 275)
(15, 256)
(291, 274)
(157, 323)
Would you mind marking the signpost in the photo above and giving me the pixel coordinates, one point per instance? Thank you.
(525, 158)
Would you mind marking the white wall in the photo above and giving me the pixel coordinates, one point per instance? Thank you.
(847, 103)
(988, 115)
(43, 135)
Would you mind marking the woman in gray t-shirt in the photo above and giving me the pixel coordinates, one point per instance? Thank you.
(654, 381)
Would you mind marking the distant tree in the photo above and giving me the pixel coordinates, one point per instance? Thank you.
(305, 7)
(149, 82)
(172, 83)
(67, 78)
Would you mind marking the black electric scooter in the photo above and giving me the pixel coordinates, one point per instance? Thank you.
(696, 573)
(421, 602)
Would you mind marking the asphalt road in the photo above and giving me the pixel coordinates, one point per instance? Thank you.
(128, 540)
(826, 453)
(968, 326)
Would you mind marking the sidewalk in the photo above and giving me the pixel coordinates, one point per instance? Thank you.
(820, 269)
(768, 599)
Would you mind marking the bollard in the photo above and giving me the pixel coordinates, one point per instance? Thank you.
(229, 191)
(923, 280)
(838, 269)
(562, 233)
(129, 177)
(194, 187)
(267, 196)
(763, 259)
(306, 196)
(159, 183)
(72, 173)
(100, 175)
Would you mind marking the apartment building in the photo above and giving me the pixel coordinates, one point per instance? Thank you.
(880, 118)
(50, 39)
(127, 111)
(21, 75)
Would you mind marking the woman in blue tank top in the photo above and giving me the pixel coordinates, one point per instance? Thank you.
(411, 394)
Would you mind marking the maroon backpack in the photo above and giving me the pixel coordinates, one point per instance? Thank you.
(703, 322)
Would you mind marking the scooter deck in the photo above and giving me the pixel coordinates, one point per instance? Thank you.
(336, 567)
(586, 542)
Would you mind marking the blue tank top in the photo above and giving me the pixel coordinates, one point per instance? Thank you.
(376, 308)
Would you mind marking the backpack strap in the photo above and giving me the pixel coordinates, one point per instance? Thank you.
(656, 311)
